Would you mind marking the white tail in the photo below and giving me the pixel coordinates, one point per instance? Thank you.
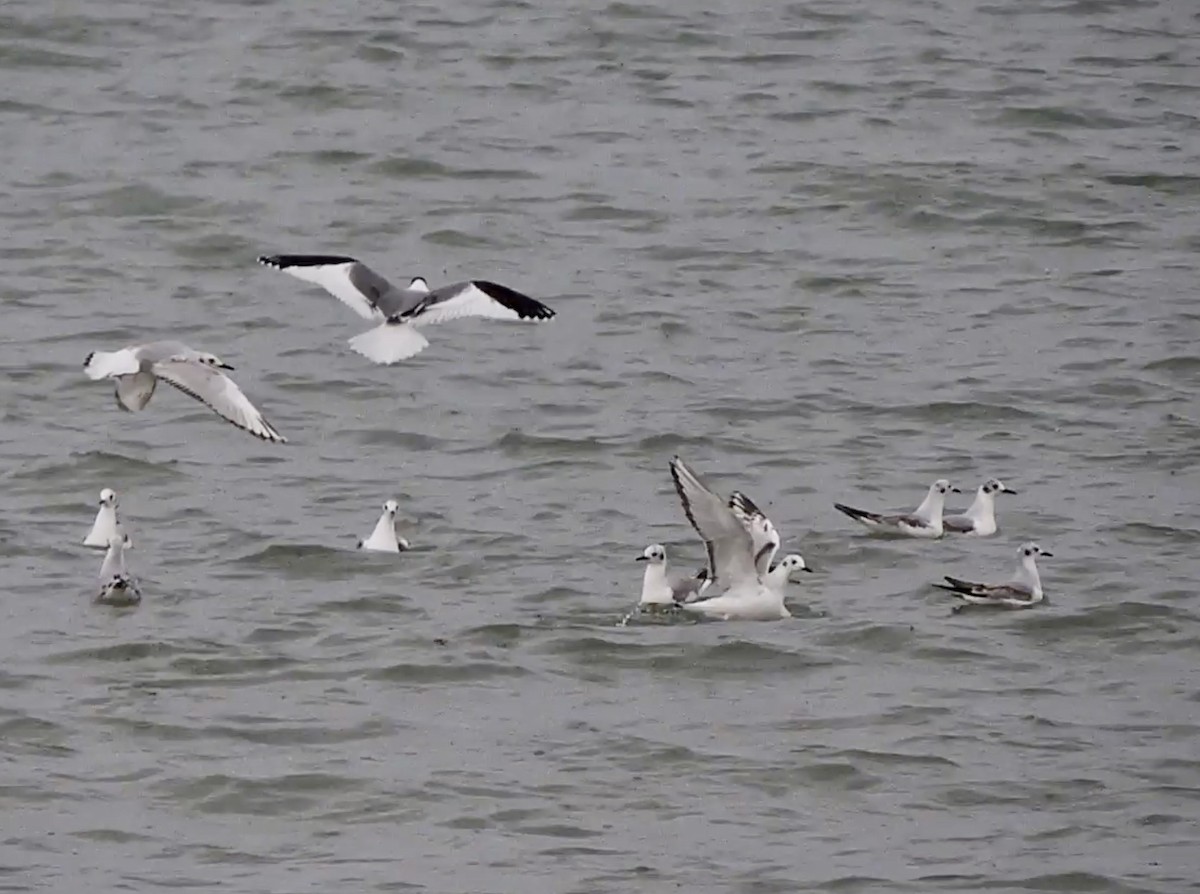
(102, 364)
(389, 342)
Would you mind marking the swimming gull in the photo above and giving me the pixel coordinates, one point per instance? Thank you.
(1023, 591)
(400, 312)
(925, 521)
(107, 525)
(980, 519)
(117, 586)
(384, 538)
(661, 587)
(731, 556)
(137, 369)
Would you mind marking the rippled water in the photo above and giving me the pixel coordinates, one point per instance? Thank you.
(825, 251)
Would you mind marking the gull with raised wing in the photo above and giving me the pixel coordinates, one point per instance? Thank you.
(980, 519)
(732, 559)
(107, 525)
(384, 538)
(400, 312)
(117, 586)
(1023, 591)
(660, 587)
(137, 369)
(925, 521)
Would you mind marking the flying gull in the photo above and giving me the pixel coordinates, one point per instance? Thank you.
(137, 369)
(400, 312)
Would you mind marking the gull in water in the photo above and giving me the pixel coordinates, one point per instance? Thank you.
(1023, 591)
(980, 519)
(137, 369)
(925, 521)
(117, 586)
(400, 312)
(384, 538)
(107, 525)
(732, 559)
(662, 588)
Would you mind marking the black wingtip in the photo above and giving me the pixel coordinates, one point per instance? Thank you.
(88, 359)
(522, 305)
(282, 262)
(855, 514)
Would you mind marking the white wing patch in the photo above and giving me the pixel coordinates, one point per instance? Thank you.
(334, 279)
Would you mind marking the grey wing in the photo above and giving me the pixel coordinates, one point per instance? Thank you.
(960, 524)
(476, 298)
(157, 351)
(913, 521)
(220, 394)
(400, 303)
(686, 589)
(730, 546)
(134, 392)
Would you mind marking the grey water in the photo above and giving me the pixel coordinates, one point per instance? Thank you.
(822, 250)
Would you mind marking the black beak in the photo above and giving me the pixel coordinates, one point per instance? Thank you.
(806, 568)
(642, 559)
(955, 490)
(224, 366)
(1044, 553)
(1009, 490)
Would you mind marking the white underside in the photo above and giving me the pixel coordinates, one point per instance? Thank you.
(656, 590)
(389, 343)
(384, 539)
(760, 604)
(103, 528)
(103, 364)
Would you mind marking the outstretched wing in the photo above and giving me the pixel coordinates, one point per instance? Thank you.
(730, 546)
(762, 531)
(348, 280)
(219, 393)
(477, 298)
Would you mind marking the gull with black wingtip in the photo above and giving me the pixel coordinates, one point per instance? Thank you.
(925, 521)
(107, 525)
(384, 538)
(401, 312)
(137, 369)
(1024, 590)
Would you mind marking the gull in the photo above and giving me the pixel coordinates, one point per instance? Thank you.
(117, 586)
(980, 519)
(107, 525)
(384, 538)
(732, 560)
(925, 521)
(137, 369)
(660, 587)
(1023, 591)
(400, 312)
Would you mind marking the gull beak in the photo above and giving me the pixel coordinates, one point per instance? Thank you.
(224, 366)
(1044, 553)
(955, 490)
(642, 559)
(1009, 490)
(806, 568)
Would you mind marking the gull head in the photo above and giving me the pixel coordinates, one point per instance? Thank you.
(996, 486)
(942, 486)
(794, 562)
(418, 284)
(655, 554)
(1030, 549)
(391, 507)
(108, 497)
(211, 360)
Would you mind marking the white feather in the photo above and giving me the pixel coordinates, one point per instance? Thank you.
(389, 342)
